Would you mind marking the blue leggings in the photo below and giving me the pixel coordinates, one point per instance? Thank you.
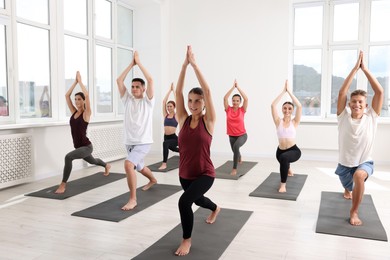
(236, 142)
(285, 157)
(83, 152)
(194, 191)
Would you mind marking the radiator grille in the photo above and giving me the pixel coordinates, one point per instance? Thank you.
(15, 159)
(107, 142)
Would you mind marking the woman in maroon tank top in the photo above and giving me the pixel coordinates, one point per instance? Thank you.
(196, 170)
(81, 114)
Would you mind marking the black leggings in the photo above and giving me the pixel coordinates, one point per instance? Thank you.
(235, 143)
(194, 191)
(83, 152)
(285, 157)
(170, 143)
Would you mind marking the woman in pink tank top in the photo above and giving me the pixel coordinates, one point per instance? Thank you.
(287, 151)
(196, 170)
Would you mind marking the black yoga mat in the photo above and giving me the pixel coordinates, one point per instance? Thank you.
(78, 186)
(111, 210)
(172, 163)
(333, 218)
(223, 171)
(209, 241)
(270, 186)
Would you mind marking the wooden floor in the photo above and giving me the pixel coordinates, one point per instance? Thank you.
(37, 228)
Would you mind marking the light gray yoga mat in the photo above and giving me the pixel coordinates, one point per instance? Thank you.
(270, 186)
(223, 171)
(172, 163)
(209, 241)
(78, 186)
(333, 218)
(111, 210)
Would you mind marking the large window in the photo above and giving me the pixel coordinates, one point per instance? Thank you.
(33, 34)
(44, 43)
(327, 38)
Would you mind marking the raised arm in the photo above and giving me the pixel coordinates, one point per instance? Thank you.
(243, 95)
(210, 115)
(181, 111)
(120, 81)
(165, 100)
(227, 95)
(274, 104)
(377, 99)
(44, 93)
(298, 105)
(69, 102)
(148, 77)
(343, 92)
(87, 109)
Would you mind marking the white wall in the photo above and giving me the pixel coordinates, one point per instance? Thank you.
(233, 39)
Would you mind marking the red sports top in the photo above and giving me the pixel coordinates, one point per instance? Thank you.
(195, 151)
(235, 121)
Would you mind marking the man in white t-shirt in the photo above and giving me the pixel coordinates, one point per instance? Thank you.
(357, 126)
(138, 135)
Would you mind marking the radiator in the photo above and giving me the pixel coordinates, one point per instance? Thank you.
(107, 141)
(16, 159)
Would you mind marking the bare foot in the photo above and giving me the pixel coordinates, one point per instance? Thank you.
(282, 188)
(213, 216)
(130, 205)
(61, 188)
(233, 172)
(347, 194)
(163, 166)
(354, 219)
(184, 247)
(150, 184)
(240, 160)
(107, 169)
(290, 173)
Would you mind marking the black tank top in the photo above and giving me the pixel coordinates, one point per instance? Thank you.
(78, 128)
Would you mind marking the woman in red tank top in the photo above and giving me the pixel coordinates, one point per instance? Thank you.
(81, 114)
(196, 171)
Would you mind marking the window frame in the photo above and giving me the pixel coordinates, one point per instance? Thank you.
(329, 46)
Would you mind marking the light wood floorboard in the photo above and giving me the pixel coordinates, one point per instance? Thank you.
(40, 229)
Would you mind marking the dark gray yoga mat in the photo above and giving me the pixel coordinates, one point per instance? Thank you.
(111, 210)
(333, 218)
(78, 186)
(209, 241)
(172, 163)
(270, 186)
(223, 171)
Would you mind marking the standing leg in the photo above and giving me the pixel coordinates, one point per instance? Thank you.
(285, 157)
(194, 191)
(132, 184)
(240, 141)
(358, 191)
(78, 153)
(165, 154)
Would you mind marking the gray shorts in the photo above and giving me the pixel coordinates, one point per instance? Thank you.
(136, 154)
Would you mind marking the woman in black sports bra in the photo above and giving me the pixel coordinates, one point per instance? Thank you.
(170, 126)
